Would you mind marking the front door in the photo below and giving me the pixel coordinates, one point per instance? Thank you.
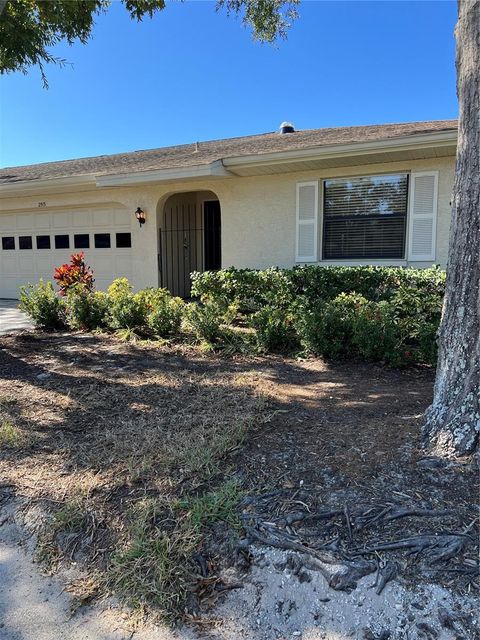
(212, 235)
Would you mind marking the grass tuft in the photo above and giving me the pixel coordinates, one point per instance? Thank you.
(220, 505)
(71, 518)
(11, 437)
(153, 566)
(203, 457)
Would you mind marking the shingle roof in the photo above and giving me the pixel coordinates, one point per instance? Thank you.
(203, 153)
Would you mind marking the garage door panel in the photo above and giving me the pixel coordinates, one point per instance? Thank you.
(44, 263)
(9, 266)
(25, 221)
(7, 223)
(9, 287)
(61, 256)
(42, 221)
(102, 265)
(26, 265)
(62, 220)
(123, 264)
(82, 219)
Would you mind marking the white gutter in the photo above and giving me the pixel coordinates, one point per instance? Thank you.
(214, 169)
(39, 186)
(407, 143)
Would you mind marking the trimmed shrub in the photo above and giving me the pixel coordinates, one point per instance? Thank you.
(86, 310)
(206, 319)
(376, 336)
(164, 312)
(275, 329)
(43, 305)
(126, 310)
(251, 289)
(326, 328)
(248, 289)
(418, 312)
(384, 331)
(386, 314)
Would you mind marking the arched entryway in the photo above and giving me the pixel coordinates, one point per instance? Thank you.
(189, 239)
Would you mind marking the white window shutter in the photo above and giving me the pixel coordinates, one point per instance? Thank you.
(307, 221)
(423, 216)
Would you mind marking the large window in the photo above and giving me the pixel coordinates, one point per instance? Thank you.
(365, 217)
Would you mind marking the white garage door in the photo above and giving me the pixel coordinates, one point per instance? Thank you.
(33, 244)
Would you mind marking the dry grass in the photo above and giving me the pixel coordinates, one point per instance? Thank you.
(140, 453)
(129, 455)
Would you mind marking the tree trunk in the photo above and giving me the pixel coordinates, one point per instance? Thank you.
(453, 420)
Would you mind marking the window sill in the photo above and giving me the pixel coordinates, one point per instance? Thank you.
(363, 263)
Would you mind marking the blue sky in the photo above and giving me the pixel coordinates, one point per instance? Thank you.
(193, 74)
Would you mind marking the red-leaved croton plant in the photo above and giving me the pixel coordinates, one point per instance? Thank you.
(75, 273)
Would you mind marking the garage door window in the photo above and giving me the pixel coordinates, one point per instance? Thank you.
(43, 242)
(62, 242)
(124, 240)
(102, 241)
(8, 243)
(81, 241)
(25, 242)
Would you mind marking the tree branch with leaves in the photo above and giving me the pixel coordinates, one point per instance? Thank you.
(30, 28)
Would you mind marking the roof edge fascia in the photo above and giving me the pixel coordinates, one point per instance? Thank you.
(405, 143)
(28, 187)
(212, 170)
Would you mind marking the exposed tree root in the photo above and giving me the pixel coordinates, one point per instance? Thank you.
(340, 575)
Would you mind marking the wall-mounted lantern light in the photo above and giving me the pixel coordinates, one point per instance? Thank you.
(140, 216)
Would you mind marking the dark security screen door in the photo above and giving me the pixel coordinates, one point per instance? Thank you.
(212, 235)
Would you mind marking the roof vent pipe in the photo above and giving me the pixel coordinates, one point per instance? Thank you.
(287, 127)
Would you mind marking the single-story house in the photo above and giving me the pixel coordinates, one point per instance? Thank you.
(339, 196)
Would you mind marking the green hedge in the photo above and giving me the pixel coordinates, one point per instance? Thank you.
(384, 314)
(379, 314)
(251, 289)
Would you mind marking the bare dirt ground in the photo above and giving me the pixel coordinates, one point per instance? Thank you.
(262, 497)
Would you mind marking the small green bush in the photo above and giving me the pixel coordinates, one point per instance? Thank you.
(326, 329)
(164, 312)
(126, 310)
(43, 305)
(275, 330)
(206, 319)
(418, 312)
(375, 335)
(85, 309)
(393, 331)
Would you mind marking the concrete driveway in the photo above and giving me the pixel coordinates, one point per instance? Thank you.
(11, 318)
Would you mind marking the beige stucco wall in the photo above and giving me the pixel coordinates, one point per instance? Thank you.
(258, 213)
